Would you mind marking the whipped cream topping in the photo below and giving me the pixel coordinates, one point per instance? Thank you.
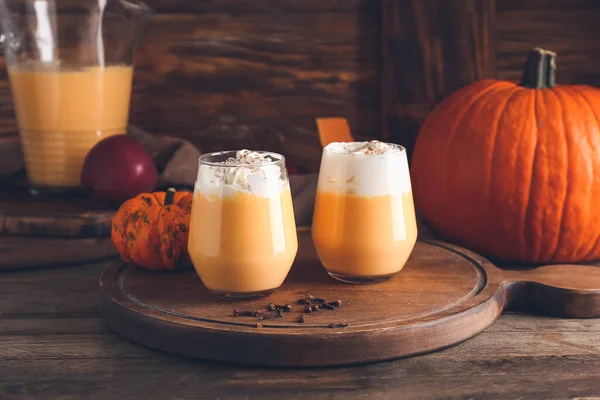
(370, 148)
(243, 157)
(248, 172)
(343, 172)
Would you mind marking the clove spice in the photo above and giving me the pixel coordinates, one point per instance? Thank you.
(270, 315)
(243, 313)
(336, 303)
(310, 303)
(319, 302)
(284, 308)
(275, 307)
(260, 313)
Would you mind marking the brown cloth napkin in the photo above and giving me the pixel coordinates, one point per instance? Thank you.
(177, 163)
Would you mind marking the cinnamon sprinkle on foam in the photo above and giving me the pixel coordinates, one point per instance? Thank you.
(370, 148)
(247, 157)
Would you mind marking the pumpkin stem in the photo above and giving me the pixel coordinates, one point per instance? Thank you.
(169, 196)
(540, 69)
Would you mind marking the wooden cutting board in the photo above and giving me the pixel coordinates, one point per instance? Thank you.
(444, 295)
(73, 216)
(51, 230)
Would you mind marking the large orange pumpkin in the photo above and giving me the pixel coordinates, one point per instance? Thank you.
(513, 170)
(151, 230)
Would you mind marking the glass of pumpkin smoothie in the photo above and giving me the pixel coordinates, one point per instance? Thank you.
(242, 238)
(364, 226)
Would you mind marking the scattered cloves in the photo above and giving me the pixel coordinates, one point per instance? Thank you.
(336, 303)
(269, 316)
(310, 303)
(243, 313)
(284, 308)
(259, 313)
(317, 303)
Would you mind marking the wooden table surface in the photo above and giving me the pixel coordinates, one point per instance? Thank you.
(53, 345)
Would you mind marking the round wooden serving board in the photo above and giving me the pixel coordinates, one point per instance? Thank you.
(444, 295)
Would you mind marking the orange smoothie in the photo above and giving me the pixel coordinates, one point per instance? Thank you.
(242, 239)
(63, 113)
(364, 236)
(364, 225)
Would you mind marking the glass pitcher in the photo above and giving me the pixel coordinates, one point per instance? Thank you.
(70, 68)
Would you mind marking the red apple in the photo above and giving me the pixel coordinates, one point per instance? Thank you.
(117, 168)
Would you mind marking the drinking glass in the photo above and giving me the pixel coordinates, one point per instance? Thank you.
(242, 238)
(364, 225)
(70, 68)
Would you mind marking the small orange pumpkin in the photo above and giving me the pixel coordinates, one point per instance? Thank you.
(151, 230)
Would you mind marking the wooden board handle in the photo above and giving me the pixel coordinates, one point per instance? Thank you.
(571, 291)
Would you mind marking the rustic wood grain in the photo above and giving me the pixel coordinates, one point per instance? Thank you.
(76, 216)
(53, 345)
(429, 49)
(255, 81)
(265, 6)
(568, 28)
(240, 78)
(27, 293)
(504, 5)
(21, 253)
(443, 296)
(414, 379)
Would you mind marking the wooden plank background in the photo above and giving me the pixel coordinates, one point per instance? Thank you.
(569, 27)
(457, 42)
(256, 73)
(430, 49)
